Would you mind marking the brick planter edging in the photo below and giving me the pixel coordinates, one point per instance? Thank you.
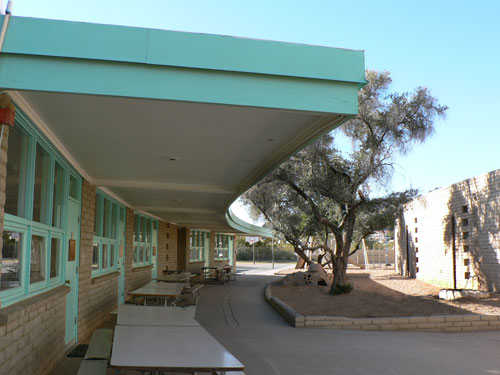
(436, 323)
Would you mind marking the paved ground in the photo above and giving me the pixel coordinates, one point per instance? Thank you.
(238, 316)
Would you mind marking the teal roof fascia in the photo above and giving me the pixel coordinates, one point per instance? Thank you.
(236, 223)
(44, 37)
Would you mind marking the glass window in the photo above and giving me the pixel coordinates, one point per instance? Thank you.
(95, 256)
(73, 187)
(40, 197)
(136, 254)
(147, 253)
(55, 256)
(114, 222)
(11, 270)
(37, 264)
(105, 218)
(112, 255)
(14, 173)
(104, 255)
(58, 200)
(141, 254)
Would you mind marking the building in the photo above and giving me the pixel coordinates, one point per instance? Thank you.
(450, 237)
(128, 147)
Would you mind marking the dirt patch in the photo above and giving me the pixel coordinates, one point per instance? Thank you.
(381, 294)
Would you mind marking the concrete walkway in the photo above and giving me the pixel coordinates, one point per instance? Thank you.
(238, 316)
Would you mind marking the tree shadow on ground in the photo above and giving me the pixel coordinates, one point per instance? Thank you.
(369, 299)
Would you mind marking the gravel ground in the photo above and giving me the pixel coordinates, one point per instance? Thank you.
(381, 293)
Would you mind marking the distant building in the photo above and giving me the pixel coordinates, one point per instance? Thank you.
(450, 237)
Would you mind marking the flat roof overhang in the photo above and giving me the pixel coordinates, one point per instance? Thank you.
(118, 102)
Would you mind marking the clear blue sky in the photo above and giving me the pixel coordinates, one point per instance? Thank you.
(451, 47)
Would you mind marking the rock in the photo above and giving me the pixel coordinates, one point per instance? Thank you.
(316, 275)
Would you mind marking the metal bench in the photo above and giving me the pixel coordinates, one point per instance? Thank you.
(100, 344)
(93, 367)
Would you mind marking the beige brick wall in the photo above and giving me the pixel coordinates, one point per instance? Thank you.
(167, 246)
(138, 276)
(32, 334)
(475, 206)
(99, 295)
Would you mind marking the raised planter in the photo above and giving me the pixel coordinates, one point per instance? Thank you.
(435, 323)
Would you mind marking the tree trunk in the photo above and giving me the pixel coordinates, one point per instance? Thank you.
(340, 283)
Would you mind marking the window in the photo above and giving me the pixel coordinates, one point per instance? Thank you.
(143, 240)
(223, 246)
(11, 271)
(106, 234)
(37, 192)
(198, 242)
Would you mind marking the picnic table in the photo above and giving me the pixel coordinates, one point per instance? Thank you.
(158, 290)
(154, 316)
(175, 278)
(170, 348)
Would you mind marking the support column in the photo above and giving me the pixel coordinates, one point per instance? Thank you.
(211, 250)
(182, 248)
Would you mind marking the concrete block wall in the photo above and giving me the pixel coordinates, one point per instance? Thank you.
(32, 334)
(99, 295)
(475, 206)
(135, 277)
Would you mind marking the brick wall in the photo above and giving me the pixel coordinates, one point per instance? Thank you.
(183, 248)
(99, 295)
(474, 206)
(134, 277)
(32, 334)
(167, 246)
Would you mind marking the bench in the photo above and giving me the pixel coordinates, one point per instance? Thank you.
(93, 367)
(194, 290)
(100, 344)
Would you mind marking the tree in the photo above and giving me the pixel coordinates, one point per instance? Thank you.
(319, 200)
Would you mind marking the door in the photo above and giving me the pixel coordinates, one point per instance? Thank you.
(121, 258)
(73, 243)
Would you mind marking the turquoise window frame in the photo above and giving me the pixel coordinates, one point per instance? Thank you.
(198, 243)
(103, 222)
(222, 246)
(143, 238)
(23, 222)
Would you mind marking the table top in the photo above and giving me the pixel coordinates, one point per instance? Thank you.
(154, 316)
(175, 277)
(156, 289)
(170, 349)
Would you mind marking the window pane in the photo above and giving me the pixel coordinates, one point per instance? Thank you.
(112, 255)
(42, 168)
(141, 254)
(14, 170)
(147, 251)
(73, 187)
(95, 256)
(105, 218)
(104, 255)
(58, 196)
(136, 254)
(141, 229)
(55, 256)
(37, 265)
(147, 230)
(114, 222)
(11, 260)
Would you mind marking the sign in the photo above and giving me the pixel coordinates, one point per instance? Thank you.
(71, 250)
(252, 240)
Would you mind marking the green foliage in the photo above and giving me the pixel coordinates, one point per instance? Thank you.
(343, 288)
(324, 193)
(265, 254)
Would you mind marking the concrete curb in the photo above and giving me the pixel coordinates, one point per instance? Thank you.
(436, 323)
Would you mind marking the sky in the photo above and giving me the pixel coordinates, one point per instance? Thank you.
(450, 47)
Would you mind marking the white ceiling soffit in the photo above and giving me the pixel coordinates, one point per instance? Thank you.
(181, 162)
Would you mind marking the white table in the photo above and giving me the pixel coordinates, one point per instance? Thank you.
(159, 290)
(177, 277)
(154, 316)
(161, 348)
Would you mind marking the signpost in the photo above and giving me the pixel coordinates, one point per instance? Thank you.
(253, 240)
